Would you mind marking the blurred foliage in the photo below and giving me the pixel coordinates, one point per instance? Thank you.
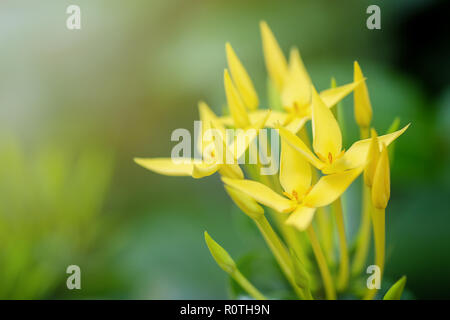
(50, 204)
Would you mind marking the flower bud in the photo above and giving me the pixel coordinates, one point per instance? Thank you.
(381, 187)
(361, 101)
(235, 103)
(372, 159)
(249, 206)
(241, 79)
(395, 292)
(276, 63)
(219, 254)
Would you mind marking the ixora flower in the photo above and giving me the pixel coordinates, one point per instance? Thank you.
(292, 82)
(328, 156)
(300, 197)
(309, 179)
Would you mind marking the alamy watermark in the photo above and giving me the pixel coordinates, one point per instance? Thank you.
(374, 20)
(73, 22)
(74, 280)
(374, 280)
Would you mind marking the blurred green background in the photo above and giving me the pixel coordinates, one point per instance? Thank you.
(77, 106)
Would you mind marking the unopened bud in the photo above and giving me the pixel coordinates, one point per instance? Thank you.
(381, 187)
(219, 254)
(247, 204)
(372, 159)
(361, 101)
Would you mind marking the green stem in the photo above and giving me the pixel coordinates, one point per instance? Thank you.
(343, 276)
(279, 251)
(380, 236)
(323, 267)
(379, 231)
(363, 238)
(364, 133)
(325, 232)
(325, 225)
(247, 286)
(276, 246)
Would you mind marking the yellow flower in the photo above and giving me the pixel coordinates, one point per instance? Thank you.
(328, 154)
(300, 198)
(213, 161)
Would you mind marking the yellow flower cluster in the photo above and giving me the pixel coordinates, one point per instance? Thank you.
(313, 174)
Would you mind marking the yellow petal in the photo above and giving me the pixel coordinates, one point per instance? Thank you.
(232, 171)
(300, 146)
(381, 188)
(235, 104)
(276, 63)
(372, 159)
(166, 166)
(297, 87)
(249, 206)
(204, 169)
(327, 138)
(330, 187)
(301, 218)
(262, 194)
(332, 96)
(295, 171)
(241, 79)
(356, 155)
(361, 101)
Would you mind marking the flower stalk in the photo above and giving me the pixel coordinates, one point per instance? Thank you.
(363, 237)
(342, 280)
(330, 291)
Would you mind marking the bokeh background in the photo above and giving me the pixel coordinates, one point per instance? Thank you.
(77, 106)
